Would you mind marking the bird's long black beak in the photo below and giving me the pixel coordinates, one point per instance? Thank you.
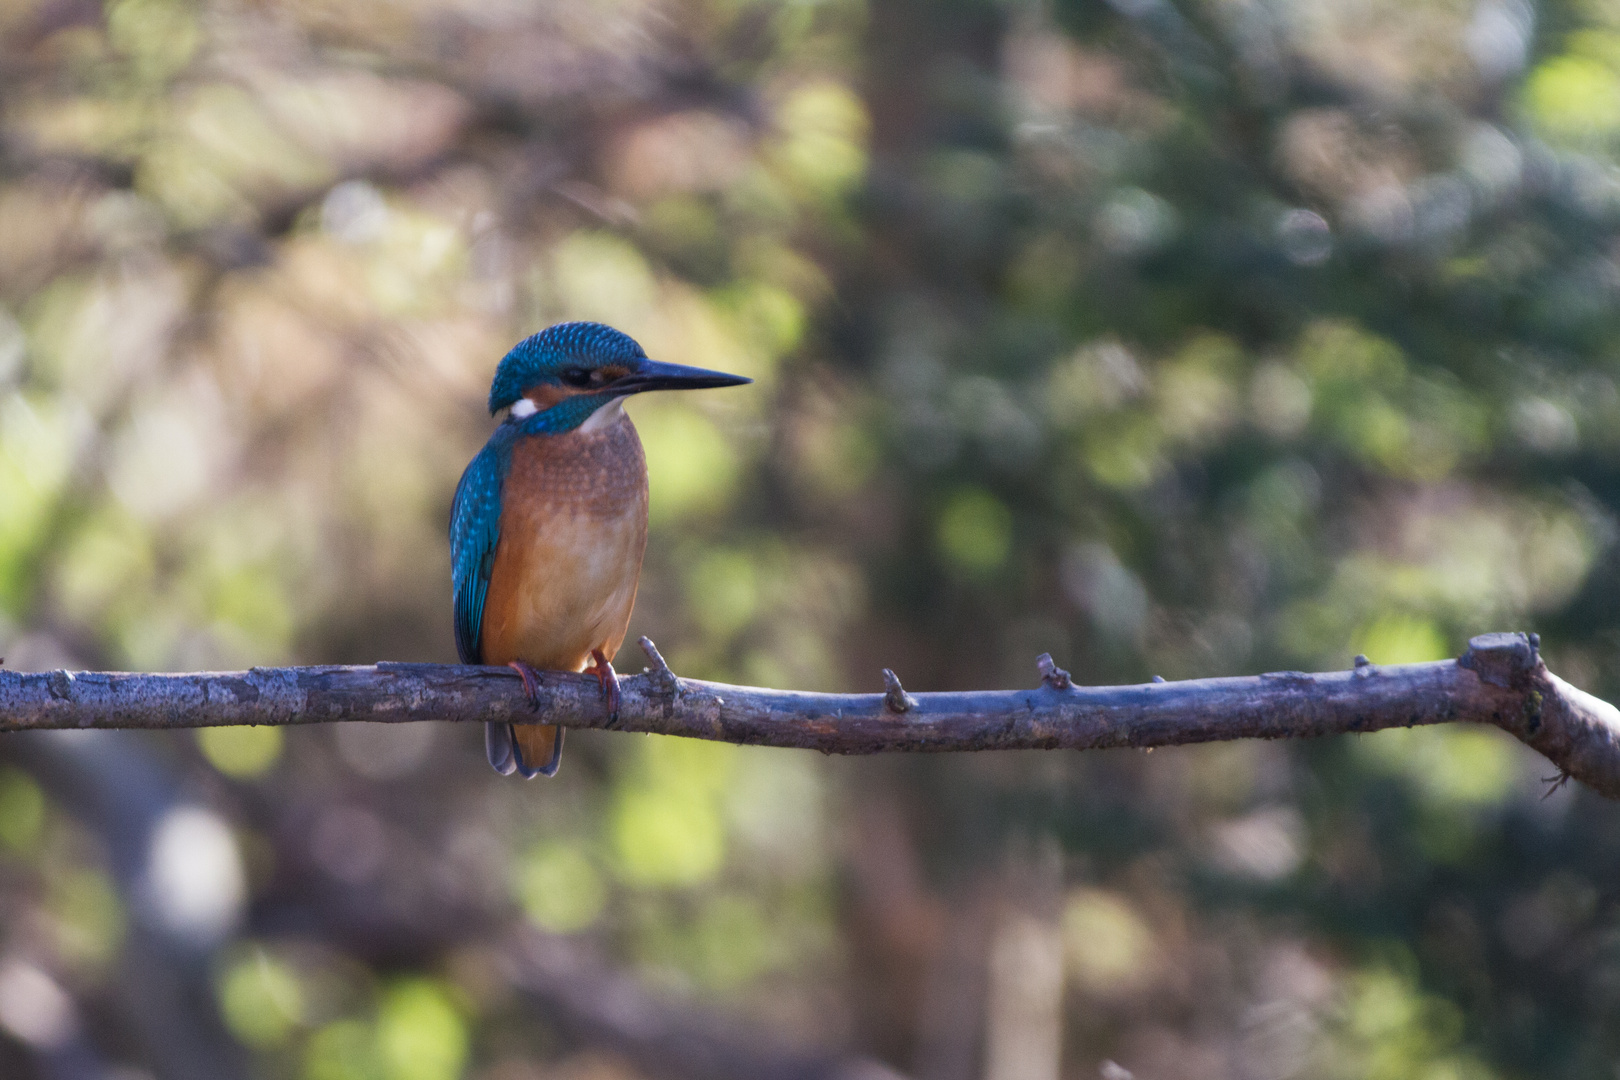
(652, 375)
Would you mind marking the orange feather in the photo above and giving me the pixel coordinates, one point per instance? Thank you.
(573, 530)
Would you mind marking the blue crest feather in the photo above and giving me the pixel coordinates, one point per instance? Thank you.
(539, 357)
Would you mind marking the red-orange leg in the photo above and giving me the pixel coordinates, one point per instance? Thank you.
(607, 679)
(531, 682)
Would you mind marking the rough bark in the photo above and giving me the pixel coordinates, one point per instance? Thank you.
(1501, 680)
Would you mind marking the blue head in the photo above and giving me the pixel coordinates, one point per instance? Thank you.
(562, 356)
(563, 374)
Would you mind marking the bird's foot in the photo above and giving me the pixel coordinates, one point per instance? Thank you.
(531, 682)
(608, 680)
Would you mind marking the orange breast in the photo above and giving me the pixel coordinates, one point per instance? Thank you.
(573, 529)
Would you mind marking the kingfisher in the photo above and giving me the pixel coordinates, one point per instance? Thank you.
(549, 521)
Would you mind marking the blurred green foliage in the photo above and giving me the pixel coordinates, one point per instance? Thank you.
(261, 999)
(1176, 338)
(240, 751)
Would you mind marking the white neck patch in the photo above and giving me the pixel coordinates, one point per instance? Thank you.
(523, 408)
(604, 416)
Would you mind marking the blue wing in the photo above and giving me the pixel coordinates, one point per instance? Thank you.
(475, 526)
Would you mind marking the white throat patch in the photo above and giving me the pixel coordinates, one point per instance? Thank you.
(604, 416)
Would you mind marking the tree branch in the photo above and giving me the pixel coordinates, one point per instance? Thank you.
(1501, 680)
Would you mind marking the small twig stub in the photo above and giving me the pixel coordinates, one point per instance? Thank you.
(1051, 674)
(659, 672)
(1502, 659)
(895, 698)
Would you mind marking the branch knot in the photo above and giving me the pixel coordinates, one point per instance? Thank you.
(1505, 660)
(1052, 675)
(60, 683)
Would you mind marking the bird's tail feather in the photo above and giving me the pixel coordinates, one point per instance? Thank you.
(537, 748)
(498, 746)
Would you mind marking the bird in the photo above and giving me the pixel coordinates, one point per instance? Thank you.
(549, 521)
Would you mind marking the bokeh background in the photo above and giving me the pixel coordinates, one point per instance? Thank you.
(1175, 337)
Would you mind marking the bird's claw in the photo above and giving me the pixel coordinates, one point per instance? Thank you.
(608, 680)
(531, 682)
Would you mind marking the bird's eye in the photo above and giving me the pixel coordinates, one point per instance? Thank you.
(575, 377)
